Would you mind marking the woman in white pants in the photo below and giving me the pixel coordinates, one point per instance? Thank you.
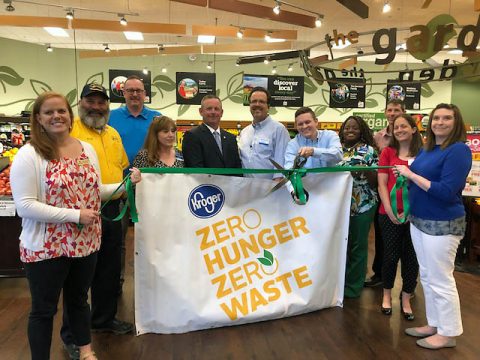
(437, 178)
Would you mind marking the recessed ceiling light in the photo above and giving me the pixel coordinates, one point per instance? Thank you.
(386, 7)
(274, 40)
(240, 33)
(164, 69)
(145, 70)
(49, 48)
(206, 39)
(133, 35)
(56, 31)
(455, 52)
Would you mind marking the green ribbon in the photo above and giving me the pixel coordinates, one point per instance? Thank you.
(294, 175)
(400, 184)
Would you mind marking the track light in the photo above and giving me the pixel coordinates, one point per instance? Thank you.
(161, 47)
(266, 61)
(107, 49)
(49, 48)
(123, 21)
(9, 7)
(69, 14)
(318, 22)
(290, 67)
(276, 8)
(145, 70)
(386, 7)
(240, 33)
(209, 65)
(274, 70)
(268, 36)
(164, 69)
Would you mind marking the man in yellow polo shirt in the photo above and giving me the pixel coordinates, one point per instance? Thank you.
(91, 126)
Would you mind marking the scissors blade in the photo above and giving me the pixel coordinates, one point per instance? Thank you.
(277, 165)
(278, 185)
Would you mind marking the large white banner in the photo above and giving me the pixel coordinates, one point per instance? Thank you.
(216, 251)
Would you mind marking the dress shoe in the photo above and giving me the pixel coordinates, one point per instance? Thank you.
(72, 350)
(117, 327)
(451, 342)
(413, 332)
(373, 282)
(407, 315)
(386, 311)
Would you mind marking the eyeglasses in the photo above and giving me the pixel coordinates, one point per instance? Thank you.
(133, 91)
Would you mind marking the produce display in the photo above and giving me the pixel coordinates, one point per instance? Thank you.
(10, 153)
(5, 188)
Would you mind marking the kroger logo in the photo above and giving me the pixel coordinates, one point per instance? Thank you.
(206, 201)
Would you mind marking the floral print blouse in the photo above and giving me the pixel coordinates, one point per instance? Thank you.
(73, 184)
(363, 196)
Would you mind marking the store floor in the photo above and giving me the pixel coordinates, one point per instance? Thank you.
(358, 331)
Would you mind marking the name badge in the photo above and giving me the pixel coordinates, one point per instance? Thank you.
(410, 161)
(83, 162)
(264, 141)
(362, 150)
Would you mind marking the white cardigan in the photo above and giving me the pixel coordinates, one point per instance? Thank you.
(27, 179)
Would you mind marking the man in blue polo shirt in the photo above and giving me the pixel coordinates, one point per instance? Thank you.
(132, 120)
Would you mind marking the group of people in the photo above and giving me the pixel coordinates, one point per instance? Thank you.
(60, 178)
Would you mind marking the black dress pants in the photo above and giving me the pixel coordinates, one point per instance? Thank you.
(46, 279)
(106, 281)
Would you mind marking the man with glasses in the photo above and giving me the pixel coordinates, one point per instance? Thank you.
(264, 139)
(132, 120)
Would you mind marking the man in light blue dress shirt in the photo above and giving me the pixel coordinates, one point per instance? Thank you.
(264, 139)
(321, 147)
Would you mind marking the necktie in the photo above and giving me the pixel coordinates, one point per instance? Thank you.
(216, 135)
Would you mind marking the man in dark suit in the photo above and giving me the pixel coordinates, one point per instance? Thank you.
(207, 145)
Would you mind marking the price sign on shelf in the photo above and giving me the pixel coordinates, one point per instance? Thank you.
(7, 208)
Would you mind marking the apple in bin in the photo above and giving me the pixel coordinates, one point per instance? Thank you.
(5, 188)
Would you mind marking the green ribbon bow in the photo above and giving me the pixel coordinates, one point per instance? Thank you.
(400, 184)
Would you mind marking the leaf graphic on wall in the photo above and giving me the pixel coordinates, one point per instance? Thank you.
(371, 103)
(235, 84)
(9, 76)
(39, 86)
(426, 90)
(237, 98)
(29, 106)
(182, 109)
(310, 87)
(218, 92)
(319, 110)
(95, 78)
(163, 83)
(72, 97)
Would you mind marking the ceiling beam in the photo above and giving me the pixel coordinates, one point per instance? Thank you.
(356, 6)
(245, 47)
(87, 24)
(172, 50)
(193, 2)
(231, 31)
(263, 12)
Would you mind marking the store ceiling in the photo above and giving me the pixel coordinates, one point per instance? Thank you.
(404, 14)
